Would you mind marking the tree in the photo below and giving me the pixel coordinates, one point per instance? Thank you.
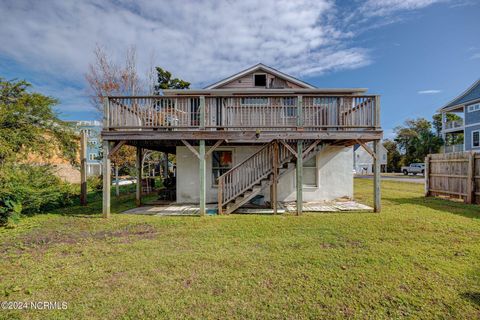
(415, 140)
(437, 121)
(394, 157)
(165, 81)
(29, 124)
(105, 77)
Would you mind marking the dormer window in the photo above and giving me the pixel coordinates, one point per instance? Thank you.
(260, 80)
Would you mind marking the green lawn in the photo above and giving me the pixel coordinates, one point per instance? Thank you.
(419, 258)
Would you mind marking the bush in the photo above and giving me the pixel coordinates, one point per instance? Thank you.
(95, 183)
(31, 189)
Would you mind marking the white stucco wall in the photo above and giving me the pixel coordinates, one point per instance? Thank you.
(335, 177)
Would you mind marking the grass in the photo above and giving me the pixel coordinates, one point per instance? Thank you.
(417, 259)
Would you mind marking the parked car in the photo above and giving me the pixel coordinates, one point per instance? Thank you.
(414, 168)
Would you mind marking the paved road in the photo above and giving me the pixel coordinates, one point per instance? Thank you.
(410, 179)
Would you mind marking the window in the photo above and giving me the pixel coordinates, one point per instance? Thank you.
(474, 107)
(260, 80)
(221, 163)
(93, 142)
(254, 101)
(310, 172)
(289, 107)
(476, 139)
(92, 156)
(87, 131)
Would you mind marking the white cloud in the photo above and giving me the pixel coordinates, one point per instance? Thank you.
(199, 41)
(430, 91)
(387, 7)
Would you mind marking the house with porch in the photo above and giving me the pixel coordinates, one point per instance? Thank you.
(461, 121)
(259, 133)
(363, 162)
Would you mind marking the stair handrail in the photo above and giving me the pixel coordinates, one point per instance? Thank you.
(228, 189)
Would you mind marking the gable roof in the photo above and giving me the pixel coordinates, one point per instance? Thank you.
(264, 68)
(471, 94)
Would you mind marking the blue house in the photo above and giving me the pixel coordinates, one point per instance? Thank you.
(467, 107)
(93, 130)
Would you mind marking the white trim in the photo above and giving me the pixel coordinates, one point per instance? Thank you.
(475, 106)
(265, 68)
(475, 131)
(472, 125)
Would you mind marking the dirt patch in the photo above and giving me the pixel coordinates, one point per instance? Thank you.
(46, 239)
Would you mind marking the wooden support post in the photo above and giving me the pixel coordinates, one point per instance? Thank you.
(377, 206)
(273, 193)
(117, 183)
(470, 198)
(427, 176)
(202, 173)
(299, 112)
(220, 197)
(299, 177)
(83, 168)
(106, 179)
(202, 112)
(138, 194)
(377, 112)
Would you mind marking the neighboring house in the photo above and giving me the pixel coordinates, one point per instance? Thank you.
(467, 107)
(363, 161)
(93, 130)
(240, 138)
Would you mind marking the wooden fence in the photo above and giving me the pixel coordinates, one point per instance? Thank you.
(456, 175)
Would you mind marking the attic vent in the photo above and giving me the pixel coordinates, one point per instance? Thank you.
(260, 80)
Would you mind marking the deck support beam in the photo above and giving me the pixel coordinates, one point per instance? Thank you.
(299, 175)
(202, 176)
(115, 148)
(106, 179)
(138, 194)
(377, 206)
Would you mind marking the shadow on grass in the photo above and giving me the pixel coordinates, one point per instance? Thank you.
(473, 297)
(466, 210)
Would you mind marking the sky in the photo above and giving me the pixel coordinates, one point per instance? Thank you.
(416, 54)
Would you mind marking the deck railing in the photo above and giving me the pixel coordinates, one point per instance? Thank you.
(454, 124)
(453, 148)
(267, 113)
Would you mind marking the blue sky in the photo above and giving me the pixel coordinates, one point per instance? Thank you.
(417, 54)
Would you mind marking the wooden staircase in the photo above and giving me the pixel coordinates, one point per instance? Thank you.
(247, 179)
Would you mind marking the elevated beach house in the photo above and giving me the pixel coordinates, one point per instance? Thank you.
(258, 133)
(461, 132)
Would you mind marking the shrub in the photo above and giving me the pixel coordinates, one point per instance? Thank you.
(31, 189)
(95, 183)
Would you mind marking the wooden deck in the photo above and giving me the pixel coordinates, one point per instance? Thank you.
(257, 117)
(294, 120)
